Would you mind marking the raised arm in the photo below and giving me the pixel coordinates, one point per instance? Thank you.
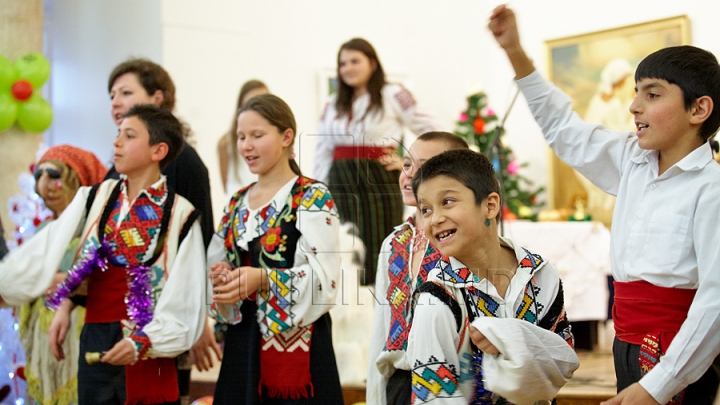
(503, 26)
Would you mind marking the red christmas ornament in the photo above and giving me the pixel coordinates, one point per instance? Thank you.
(22, 90)
(21, 373)
(508, 215)
(479, 125)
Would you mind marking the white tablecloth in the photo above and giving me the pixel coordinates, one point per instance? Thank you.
(581, 252)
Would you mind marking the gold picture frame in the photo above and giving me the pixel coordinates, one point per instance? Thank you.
(579, 64)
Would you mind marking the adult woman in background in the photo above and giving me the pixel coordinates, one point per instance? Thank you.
(358, 137)
(234, 171)
(59, 173)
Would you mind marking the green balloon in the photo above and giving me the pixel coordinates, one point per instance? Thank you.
(8, 111)
(34, 67)
(35, 115)
(7, 74)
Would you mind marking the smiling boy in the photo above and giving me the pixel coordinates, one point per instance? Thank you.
(664, 253)
(140, 255)
(489, 324)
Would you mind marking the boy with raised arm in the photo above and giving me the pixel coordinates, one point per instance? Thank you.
(664, 253)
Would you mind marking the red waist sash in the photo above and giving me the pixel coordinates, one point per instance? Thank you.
(106, 295)
(641, 308)
(359, 152)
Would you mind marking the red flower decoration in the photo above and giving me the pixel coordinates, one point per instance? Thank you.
(271, 239)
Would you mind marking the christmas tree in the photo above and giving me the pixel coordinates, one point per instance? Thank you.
(478, 125)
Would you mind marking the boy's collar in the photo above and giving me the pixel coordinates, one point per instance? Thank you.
(694, 160)
(157, 192)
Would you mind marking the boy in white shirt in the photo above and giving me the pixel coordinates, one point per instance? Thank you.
(664, 254)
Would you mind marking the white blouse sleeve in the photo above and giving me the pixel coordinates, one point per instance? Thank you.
(28, 271)
(533, 363)
(324, 143)
(179, 316)
(376, 381)
(595, 151)
(299, 295)
(432, 347)
(410, 114)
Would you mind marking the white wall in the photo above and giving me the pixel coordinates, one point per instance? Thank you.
(445, 49)
(211, 48)
(84, 41)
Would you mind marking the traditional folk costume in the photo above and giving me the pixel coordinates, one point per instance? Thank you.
(664, 253)
(128, 253)
(51, 381)
(528, 327)
(346, 158)
(278, 346)
(388, 380)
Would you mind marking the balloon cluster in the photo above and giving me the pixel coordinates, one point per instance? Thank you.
(20, 100)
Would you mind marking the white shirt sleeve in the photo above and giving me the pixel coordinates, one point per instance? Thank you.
(596, 152)
(410, 113)
(179, 316)
(432, 346)
(375, 392)
(533, 363)
(324, 143)
(697, 343)
(309, 288)
(28, 271)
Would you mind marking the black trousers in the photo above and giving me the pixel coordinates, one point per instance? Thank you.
(399, 388)
(627, 371)
(101, 383)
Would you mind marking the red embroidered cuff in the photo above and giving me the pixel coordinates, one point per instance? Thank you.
(142, 345)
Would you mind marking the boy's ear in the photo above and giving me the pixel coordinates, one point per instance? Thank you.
(493, 204)
(701, 110)
(159, 151)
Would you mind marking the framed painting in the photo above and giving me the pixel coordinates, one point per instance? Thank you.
(597, 71)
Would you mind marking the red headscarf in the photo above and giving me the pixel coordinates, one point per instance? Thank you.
(87, 166)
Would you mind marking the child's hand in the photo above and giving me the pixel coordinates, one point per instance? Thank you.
(200, 353)
(59, 328)
(635, 394)
(220, 273)
(504, 28)
(481, 341)
(391, 160)
(122, 354)
(243, 282)
(57, 279)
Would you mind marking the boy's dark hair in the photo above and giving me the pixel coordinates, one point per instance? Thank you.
(276, 111)
(151, 76)
(697, 73)
(454, 141)
(162, 126)
(470, 168)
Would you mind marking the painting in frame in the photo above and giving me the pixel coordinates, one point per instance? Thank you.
(597, 71)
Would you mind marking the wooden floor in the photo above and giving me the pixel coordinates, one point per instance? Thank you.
(592, 383)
